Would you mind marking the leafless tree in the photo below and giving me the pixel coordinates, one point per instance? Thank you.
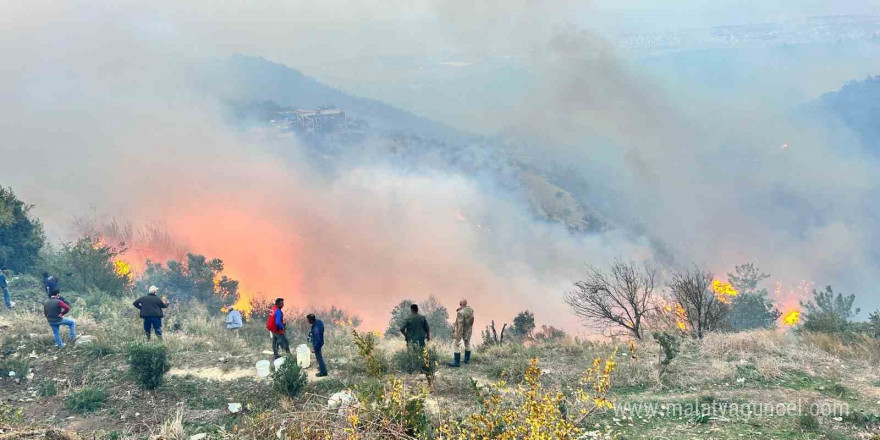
(620, 296)
(692, 290)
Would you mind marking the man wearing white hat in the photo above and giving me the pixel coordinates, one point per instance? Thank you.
(151, 307)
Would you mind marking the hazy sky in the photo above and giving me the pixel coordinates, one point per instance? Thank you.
(97, 111)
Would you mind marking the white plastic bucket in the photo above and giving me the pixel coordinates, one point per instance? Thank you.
(263, 368)
(303, 356)
(279, 362)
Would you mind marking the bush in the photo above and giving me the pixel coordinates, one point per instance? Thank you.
(148, 364)
(48, 388)
(86, 400)
(289, 379)
(98, 349)
(412, 359)
(511, 369)
(373, 358)
(669, 347)
(524, 325)
(21, 235)
(827, 313)
(750, 309)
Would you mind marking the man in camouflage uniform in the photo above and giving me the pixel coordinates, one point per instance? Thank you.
(464, 326)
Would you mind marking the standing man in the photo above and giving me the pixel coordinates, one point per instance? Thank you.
(316, 337)
(4, 272)
(415, 329)
(50, 283)
(54, 309)
(151, 307)
(276, 325)
(233, 318)
(464, 327)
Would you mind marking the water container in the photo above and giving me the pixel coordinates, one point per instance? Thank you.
(263, 368)
(279, 362)
(303, 356)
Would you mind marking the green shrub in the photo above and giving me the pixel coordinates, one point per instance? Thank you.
(86, 400)
(511, 369)
(670, 344)
(808, 422)
(19, 366)
(289, 379)
(98, 349)
(412, 359)
(10, 414)
(148, 364)
(374, 359)
(48, 388)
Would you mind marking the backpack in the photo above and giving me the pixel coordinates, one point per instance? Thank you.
(270, 321)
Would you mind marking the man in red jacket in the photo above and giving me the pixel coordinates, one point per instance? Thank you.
(276, 325)
(54, 309)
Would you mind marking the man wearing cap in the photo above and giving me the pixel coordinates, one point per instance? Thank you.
(6, 298)
(151, 307)
(464, 327)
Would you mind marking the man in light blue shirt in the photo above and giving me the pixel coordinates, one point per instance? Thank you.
(233, 319)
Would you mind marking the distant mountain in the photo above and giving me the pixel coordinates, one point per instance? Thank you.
(857, 106)
(249, 78)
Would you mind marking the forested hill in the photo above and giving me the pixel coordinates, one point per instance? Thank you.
(857, 106)
(249, 78)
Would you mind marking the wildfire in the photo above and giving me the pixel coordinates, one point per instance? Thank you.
(791, 318)
(244, 305)
(122, 268)
(724, 291)
(789, 301)
(678, 312)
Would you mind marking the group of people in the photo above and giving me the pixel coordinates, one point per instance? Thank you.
(415, 329)
(417, 332)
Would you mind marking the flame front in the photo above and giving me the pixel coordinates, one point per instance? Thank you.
(791, 318)
(244, 305)
(724, 291)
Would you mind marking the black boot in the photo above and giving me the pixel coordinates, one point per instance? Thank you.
(467, 357)
(456, 362)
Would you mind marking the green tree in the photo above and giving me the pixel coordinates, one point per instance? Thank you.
(89, 263)
(828, 312)
(435, 313)
(751, 308)
(524, 324)
(21, 234)
(197, 278)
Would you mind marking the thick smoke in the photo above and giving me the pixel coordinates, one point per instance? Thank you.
(99, 112)
(110, 123)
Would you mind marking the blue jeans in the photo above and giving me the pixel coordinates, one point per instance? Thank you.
(71, 324)
(154, 322)
(6, 299)
(322, 367)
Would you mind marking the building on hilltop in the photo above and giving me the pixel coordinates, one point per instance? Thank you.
(322, 120)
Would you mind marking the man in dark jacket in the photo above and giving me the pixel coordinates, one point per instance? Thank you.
(6, 298)
(54, 309)
(316, 337)
(151, 307)
(415, 329)
(276, 325)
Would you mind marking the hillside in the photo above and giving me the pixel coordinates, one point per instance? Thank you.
(248, 78)
(46, 390)
(857, 106)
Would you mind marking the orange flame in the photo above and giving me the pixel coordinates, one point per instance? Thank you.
(724, 291)
(791, 318)
(244, 305)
